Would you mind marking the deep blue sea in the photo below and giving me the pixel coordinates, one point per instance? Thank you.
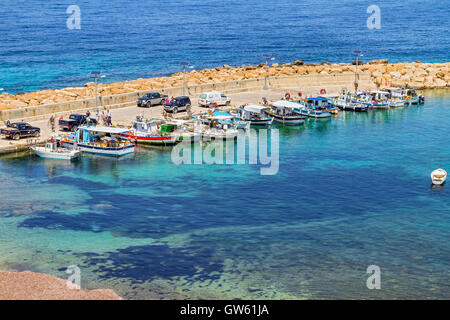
(131, 39)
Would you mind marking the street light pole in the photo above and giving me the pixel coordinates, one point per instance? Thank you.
(185, 65)
(184, 81)
(267, 57)
(96, 76)
(357, 53)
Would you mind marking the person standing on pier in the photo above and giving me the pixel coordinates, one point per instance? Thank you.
(52, 123)
(103, 118)
(108, 118)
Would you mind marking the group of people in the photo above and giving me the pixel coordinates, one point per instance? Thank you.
(104, 117)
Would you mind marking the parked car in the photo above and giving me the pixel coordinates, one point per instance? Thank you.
(74, 121)
(151, 99)
(178, 104)
(207, 99)
(19, 130)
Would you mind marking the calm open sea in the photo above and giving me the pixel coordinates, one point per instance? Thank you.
(131, 39)
(350, 192)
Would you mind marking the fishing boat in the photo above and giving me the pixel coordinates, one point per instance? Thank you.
(151, 132)
(408, 95)
(438, 176)
(254, 114)
(330, 106)
(284, 112)
(397, 103)
(186, 131)
(211, 128)
(107, 141)
(316, 108)
(53, 150)
(374, 99)
(345, 102)
(225, 117)
(342, 101)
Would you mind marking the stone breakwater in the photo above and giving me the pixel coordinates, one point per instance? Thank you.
(426, 75)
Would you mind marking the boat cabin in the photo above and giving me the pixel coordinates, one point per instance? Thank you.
(145, 126)
(89, 135)
(381, 95)
(317, 103)
(253, 111)
(286, 108)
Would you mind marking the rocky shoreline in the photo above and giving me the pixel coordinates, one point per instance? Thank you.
(29, 285)
(414, 74)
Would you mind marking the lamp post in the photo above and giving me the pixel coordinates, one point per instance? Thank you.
(96, 75)
(185, 65)
(267, 57)
(357, 53)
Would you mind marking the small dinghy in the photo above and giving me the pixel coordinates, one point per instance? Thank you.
(438, 176)
(52, 151)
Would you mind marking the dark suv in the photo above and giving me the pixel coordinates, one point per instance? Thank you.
(151, 99)
(178, 104)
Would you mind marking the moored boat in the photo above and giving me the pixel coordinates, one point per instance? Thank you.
(255, 115)
(105, 141)
(408, 95)
(316, 107)
(185, 131)
(52, 150)
(226, 118)
(438, 176)
(213, 128)
(283, 112)
(151, 132)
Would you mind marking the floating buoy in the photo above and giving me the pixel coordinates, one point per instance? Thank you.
(323, 91)
(299, 93)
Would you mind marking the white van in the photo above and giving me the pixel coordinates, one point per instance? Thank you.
(207, 99)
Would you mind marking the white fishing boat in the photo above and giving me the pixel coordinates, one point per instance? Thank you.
(438, 176)
(105, 141)
(211, 129)
(316, 107)
(53, 151)
(186, 131)
(220, 134)
(408, 95)
(397, 103)
(284, 112)
(255, 115)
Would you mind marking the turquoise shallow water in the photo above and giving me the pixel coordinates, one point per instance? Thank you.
(350, 192)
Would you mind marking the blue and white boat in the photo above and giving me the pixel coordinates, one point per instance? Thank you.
(254, 114)
(285, 112)
(408, 95)
(226, 118)
(105, 141)
(316, 108)
(374, 99)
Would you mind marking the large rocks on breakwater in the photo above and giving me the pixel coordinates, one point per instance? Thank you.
(427, 75)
